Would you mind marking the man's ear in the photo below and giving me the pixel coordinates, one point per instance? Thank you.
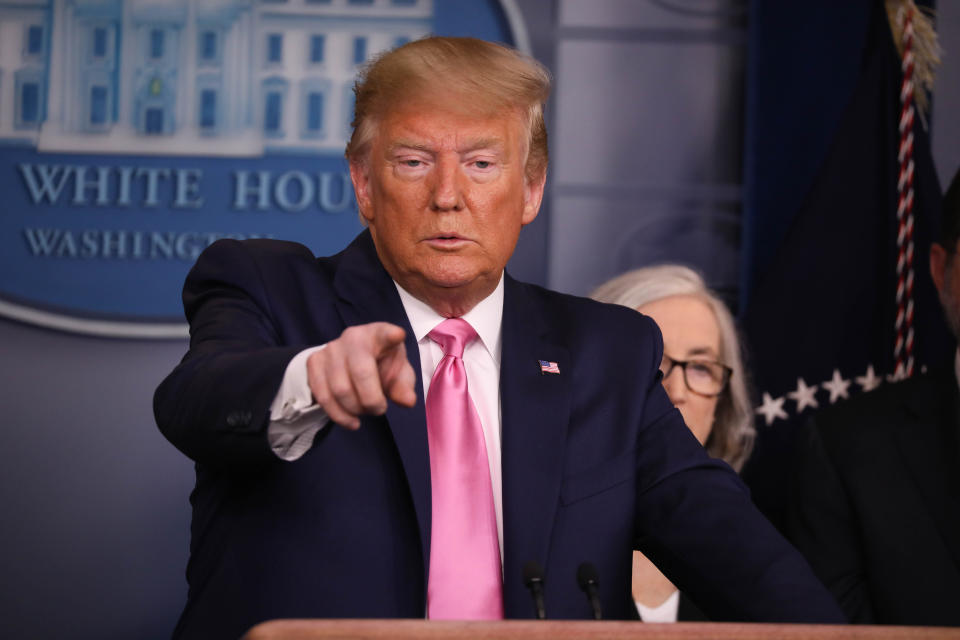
(360, 176)
(532, 197)
(938, 265)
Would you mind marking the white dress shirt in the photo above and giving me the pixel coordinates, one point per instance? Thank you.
(295, 418)
(664, 612)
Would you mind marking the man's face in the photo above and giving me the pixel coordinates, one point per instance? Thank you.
(945, 270)
(445, 196)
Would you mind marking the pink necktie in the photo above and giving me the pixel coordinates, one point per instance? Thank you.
(465, 579)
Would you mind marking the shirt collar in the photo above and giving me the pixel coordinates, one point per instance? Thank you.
(485, 318)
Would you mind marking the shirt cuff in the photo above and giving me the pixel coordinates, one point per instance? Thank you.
(294, 416)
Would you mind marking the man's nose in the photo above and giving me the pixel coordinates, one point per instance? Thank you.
(447, 191)
(675, 386)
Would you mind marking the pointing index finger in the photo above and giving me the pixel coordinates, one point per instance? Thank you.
(386, 337)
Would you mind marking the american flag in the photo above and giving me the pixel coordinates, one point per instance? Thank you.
(548, 367)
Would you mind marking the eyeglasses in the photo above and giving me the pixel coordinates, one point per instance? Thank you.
(704, 377)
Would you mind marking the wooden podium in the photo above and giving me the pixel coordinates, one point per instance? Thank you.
(576, 630)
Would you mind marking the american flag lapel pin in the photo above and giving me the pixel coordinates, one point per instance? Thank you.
(548, 367)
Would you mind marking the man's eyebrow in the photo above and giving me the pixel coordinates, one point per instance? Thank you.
(483, 143)
(494, 144)
(408, 144)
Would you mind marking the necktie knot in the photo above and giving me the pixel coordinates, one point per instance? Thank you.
(453, 335)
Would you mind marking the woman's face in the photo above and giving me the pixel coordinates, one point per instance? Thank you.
(690, 333)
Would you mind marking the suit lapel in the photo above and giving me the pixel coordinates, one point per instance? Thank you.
(535, 408)
(366, 293)
(928, 441)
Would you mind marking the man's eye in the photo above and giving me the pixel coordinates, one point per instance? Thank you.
(412, 163)
(482, 164)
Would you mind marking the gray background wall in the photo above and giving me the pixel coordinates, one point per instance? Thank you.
(646, 161)
(658, 159)
(95, 523)
(946, 105)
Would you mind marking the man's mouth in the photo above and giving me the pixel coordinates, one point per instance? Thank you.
(447, 240)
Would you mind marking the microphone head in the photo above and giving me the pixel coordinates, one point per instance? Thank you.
(587, 576)
(532, 573)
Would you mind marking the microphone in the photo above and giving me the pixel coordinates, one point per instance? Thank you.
(589, 583)
(533, 579)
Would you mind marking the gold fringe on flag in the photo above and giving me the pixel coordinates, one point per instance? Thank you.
(926, 49)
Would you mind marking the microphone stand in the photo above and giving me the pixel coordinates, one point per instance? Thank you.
(589, 583)
(533, 579)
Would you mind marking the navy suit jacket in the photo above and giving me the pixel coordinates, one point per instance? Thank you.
(595, 461)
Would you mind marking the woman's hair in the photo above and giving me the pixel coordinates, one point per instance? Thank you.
(478, 77)
(733, 433)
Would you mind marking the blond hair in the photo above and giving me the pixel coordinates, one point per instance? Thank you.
(486, 78)
(733, 432)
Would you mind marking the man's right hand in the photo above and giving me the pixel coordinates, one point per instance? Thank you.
(355, 374)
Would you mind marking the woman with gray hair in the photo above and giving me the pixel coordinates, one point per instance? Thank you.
(704, 376)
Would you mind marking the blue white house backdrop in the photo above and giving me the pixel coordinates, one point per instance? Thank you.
(133, 133)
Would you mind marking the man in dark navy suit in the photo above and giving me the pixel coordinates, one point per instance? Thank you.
(307, 398)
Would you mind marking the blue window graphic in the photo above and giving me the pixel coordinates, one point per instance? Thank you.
(29, 102)
(275, 48)
(99, 42)
(318, 1)
(208, 109)
(272, 118)
(98, 105)
(208, 46)
(156, 43)
(359, 50)
(317, 43)
(34, 40)
(405, 3)
(361, 2)
(314, 112)
(154, 121)
(400, 41)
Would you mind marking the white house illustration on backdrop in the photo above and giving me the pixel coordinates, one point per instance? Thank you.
(203, 77)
